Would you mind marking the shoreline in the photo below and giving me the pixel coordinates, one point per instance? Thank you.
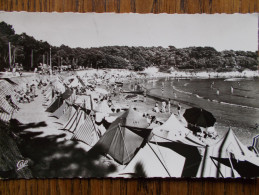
(154, 73)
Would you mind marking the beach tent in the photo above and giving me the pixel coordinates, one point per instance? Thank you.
(81, 81)
(56, 103)
(174, 130)
(87, 132)
(103, 107)
(84, 99)
(191, 153)
(7, 88)
(76, 83)
(68, 112)
(124, 137)
(245, 166)
(6, 111)
(76, 120)
(255, 144)
(210, 167)
(59, 86)
(154, 161)
(67, 94)
(60, 111)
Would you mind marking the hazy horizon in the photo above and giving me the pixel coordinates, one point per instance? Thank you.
(220, 31)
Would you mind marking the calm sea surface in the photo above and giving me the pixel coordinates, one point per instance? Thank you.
(237, 108)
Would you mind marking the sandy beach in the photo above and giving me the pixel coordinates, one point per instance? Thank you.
(53, 153)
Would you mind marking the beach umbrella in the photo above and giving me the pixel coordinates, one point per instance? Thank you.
(256, 144)
(199, 117)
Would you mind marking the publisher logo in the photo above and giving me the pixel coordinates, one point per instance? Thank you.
(21, 164)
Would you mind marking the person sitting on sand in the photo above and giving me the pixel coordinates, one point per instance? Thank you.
(156, 109)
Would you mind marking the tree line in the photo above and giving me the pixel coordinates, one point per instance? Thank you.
(29, 52)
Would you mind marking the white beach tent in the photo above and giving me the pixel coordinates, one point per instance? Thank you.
(212, 163)
(75, 83)
(154, 161)
(173, 130)
(103, 107)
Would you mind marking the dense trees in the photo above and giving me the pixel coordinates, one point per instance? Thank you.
(30, 53)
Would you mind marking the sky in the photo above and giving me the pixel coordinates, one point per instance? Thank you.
(221, 31)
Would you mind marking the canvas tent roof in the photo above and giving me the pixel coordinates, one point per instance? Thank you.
(75, 121)
(60, 111)
(87, 132)
(155, 161)
(173, 130)
(222, 149)
(68, 112)
(76, 83)
(124, 136)
(191, 153)
(56, 103)
(6, 110)
(103, 107)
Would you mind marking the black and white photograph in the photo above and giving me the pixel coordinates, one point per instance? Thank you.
(106, 95)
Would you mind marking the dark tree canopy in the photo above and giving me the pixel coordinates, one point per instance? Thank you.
(31, 52)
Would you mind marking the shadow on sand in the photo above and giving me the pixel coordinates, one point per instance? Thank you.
(54, 156)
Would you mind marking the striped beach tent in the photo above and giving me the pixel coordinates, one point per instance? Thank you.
(6, 111)
(68, 112)
(87, 132)
(76, 120)
(7, 88)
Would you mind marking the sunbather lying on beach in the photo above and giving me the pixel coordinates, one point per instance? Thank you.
(10, 101)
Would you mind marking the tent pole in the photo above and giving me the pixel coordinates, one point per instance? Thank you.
(124, 141)
(159, 160)
(232, 168)
(217, 167)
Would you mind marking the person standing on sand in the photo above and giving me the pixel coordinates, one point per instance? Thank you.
(163, 107)
(179, 109)
(169, 105)
(162, 88)
(217, 91)
(145, 95)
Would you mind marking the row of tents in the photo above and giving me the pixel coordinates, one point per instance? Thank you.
(168, 150)
(10, 154)
(140, 150)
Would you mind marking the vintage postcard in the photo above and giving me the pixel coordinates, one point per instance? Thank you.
(128, 95)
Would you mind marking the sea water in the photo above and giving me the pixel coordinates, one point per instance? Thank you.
(233, 102)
